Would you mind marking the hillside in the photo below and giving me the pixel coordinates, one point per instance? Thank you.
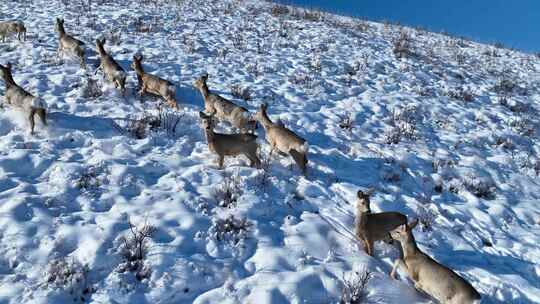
(442, 129)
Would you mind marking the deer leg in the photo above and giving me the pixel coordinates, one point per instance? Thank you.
(42, 116)
(253, 159)
(81, 58)
(369, 247)
(220, 161)
(272, 147)
(142, 91)
(32, 122)
(397, 264)
(300, 160)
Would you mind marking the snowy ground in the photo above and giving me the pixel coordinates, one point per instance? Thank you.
(466, 165)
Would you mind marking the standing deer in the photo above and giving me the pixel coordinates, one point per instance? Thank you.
(230, 144)
(112, 70)
(68, 43)
(149, 83)
(12, 27)
(428, 275)
(223, 109)
(18, 97)
(372, 227)
(283, 139)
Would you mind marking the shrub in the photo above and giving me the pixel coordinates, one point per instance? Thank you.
(91, 89)
(479, 187)
(230, 229)
(279, 10)
(139, 128)
(305, 14)
(402, 45)
(92, 178)
(347, 122)
(240, 92)
(229, 191)
(403, 124)
(426, 218)
(263, 179)
(71, 276)
(354, 290)
(134, 249)
(461, 93)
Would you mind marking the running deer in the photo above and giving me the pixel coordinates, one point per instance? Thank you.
(68, 43)
(283, 139)
(230, 144)
(428, 275)
(372, 227)
(18, 97)
(112, 70)
(12, 27)
(149, 83)
(223, 109)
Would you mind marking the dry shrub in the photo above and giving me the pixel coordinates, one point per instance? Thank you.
(71, 276)
(230, 229)
(354, 290)
(134, 249)
(279, 10)
(426, 218)
(227, 193)
(165, 120)
(244, 93)
(402, 45)
(91, 89)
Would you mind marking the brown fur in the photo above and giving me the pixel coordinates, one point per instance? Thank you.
(69, 43)
(283, 139)
(18, 97)
(230, 144)
(372, 227)
(12, 27)
(112, 70)
(223, 109)
(428, 275)
(149, 83)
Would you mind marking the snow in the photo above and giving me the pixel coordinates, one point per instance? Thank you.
(68, 193)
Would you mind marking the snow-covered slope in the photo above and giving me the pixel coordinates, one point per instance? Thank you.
(447, 133)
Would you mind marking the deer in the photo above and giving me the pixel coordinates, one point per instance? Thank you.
(230, 144)
(372, 227)
(284, 140)
(18, 97)
(149, 83)
(112, 70)
(68, 43)
(223, 109)
(428, 275)
(12, 27)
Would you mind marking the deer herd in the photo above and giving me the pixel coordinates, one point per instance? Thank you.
(427, 274)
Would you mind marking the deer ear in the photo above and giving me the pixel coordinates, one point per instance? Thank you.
(360, 194)
(205, 77)
(412, 224)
